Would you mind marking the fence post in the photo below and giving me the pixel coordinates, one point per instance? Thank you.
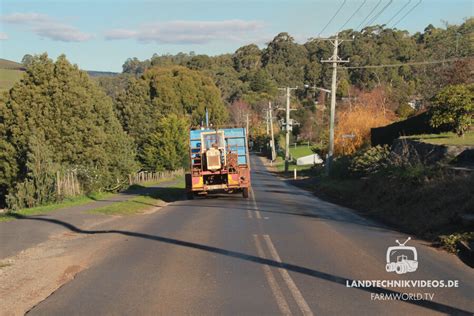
(58, 185)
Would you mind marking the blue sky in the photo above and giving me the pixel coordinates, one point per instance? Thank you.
(101, 35)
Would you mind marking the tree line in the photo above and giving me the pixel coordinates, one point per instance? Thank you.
(249, 77)
(57, 119)
(101, 129)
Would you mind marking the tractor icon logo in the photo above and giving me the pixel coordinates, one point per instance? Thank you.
(402, 259)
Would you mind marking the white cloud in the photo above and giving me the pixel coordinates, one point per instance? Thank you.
(191, 32)
(46, 27)
(3, 36)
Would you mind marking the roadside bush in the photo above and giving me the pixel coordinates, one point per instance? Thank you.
(38, 187)
(450, 242)
(340, 168)
(320, 149)
(370, 161)
(404, 111)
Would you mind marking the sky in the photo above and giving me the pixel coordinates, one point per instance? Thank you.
(100, 35)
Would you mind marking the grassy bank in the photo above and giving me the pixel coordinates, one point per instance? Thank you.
(148, 198)
(43, 209)
(430, 203)
(446, 139)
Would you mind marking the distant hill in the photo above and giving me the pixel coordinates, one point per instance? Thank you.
(11, 72)
(94, 73)
(8, 64)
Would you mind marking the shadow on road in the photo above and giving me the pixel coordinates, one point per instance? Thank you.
(242, 256)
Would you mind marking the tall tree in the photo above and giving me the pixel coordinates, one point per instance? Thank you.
(57, 100)
(285, 60)
(163, 92)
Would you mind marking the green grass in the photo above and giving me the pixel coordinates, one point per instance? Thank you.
(8, 77)
(280, 166)
(153, 197)
(295, 153)
(56, 206)
(446, 139)
(300, 151)
(129, 207)
(134, 205)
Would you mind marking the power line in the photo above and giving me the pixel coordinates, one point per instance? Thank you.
(398, 12)
(372, 11)
(408, 64)
(335, 14)
(380, 12)
(353, 14)
(409, 11)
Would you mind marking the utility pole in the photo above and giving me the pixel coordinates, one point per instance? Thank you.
(247, 120)
(272, 141)
(334, 60)
(268, 127)
(288, 126)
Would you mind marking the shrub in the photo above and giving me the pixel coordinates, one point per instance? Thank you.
(340, 167)
(453, 106)
(450, 242)
(370, 160)
(38, 187)
(357, 121)
(405, 110)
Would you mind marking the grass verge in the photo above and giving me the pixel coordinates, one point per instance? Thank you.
(147, 198)
(80, 200)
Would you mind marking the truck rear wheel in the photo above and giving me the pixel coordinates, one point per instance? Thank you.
(245, 193)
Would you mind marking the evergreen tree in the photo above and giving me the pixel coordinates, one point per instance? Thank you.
(57, 100)
(167, 147)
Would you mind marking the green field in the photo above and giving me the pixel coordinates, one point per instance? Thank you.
(446, 139)
(8, 77)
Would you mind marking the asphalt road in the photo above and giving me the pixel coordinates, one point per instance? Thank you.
(282, 251)
(32, 230)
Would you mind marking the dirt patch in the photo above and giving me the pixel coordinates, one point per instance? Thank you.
(33, 274)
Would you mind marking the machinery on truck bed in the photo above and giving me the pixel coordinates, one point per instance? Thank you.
(219, 161)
